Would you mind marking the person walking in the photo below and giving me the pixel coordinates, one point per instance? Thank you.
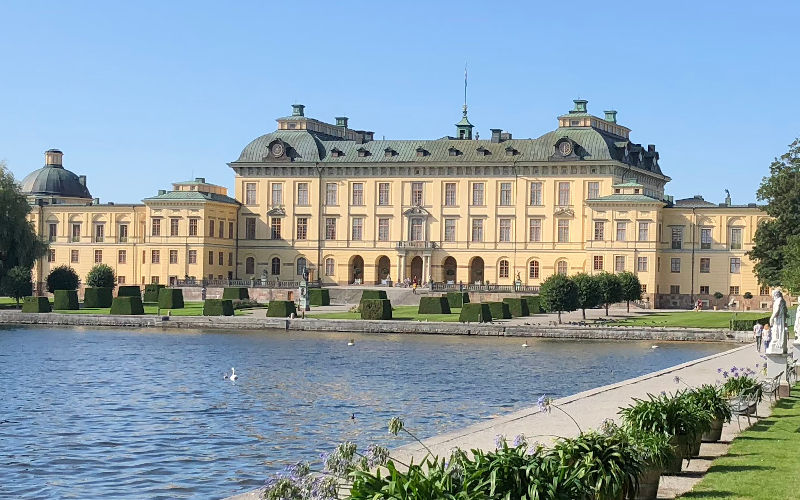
(758, 329)
(767, 335)
(414, 286)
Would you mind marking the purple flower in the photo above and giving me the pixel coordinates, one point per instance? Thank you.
(677, 379)
(719, 370)
(544, 403)
(499, 441)
(519, 440)
(724, 374)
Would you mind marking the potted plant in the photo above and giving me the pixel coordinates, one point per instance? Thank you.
(655, 452)
(712, 398)
(741, 383)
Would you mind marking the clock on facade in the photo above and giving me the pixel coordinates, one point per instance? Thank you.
(565, 148)
(277, 149)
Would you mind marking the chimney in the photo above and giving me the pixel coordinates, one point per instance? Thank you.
(651, 148)
(200, 180)
(95, 201)
(162, 191)
(53, 157)
(611, 116)
(580, 105)
(496, 133)
(341, 121)
(505, 136)
(297, 110)
(82, 180)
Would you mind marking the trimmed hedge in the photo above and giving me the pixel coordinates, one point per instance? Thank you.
(319, 297)
(98, 297)
(129, 291)
(457, 299)
(517, 306)
(170, 298)
(743, 325)
(475, 313)
(65, 300)
(151, 293)
(218, 307)
(127, 305)
(280, 309)
(373, 295)
(433, 305)
(376, 308)
(235, 293)
(499, 310)
(35, 305)
(534, 305)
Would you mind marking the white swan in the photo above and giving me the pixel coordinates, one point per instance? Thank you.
(524, 344)
(352, 342)
(233, 374)
(654, 347)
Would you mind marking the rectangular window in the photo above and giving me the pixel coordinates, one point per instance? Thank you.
(221, 229)
(705, 238)
(123, 233)
(221, 258)
(383, 193)
(122, 257)
(99, 233)
(450, 194)
(193, 227)
(52, 232)
(51, 255)
(330, 266)
(675, 289)
(450, 230)
(641, 264)
(120, 280)
(597, 263)
(417, 233)
(230, 230)
(736, 238)
(477, 230)
(644, 231)
(357, 233)
(622, 229)
(210, 258)
(144, 258)
(249, 228)
(302, 228)
(675, 265)
(619, 263)
(331, 194)
(536, 194)
(230, 259)
(275, 228)
(535, 230)
(734, 290)
(173, 256)
(250, 193)
(599, 230)
(156, 227)
(643, 287)
(358, 193)
(764, 290)
(211, 228)
(505, 194)
(330, 228)
(563, 194)
(302, 193)
(705, 265)
(677, 238)
(73, 256)
(563, 230)
(383, 229)
(505, 230)
(593, 190)
(477, 194)
(173, 227)
(192, 256)
(704, 290)
(154, 280)
(736, 265)
(76, 232)
(416, 193)
(155, 256)
(277, 194)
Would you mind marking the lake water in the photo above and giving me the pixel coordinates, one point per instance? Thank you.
(88, 413)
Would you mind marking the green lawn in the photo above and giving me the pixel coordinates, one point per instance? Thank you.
(693, 319)
(190, 309)
(398, 312)
(762, 463)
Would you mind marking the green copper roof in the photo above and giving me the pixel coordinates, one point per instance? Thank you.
(193, 196)
(628, 184)
(625, 198)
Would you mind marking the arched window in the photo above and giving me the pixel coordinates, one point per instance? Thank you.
(503, 269)
(533, 270)
(301, 264)
(561, 267)
(276, 266)
(330, 266)
(250, 266)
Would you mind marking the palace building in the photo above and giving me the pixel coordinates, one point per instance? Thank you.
(354, 210)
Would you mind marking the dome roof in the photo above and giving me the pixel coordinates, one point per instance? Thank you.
(54, 180)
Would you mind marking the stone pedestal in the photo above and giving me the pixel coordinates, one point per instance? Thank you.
(796, 350)
(776, 363)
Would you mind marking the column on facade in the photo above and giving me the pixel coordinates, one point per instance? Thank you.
(428, 268)
(401, 268)
(424, 276)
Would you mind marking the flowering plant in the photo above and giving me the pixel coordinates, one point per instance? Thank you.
(740, 381)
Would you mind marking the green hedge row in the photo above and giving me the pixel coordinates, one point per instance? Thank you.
(433, 305)
(235, 293)
(35, 305)
(170, 298)
(319, 296)
(457, 299)
(534, 306)
(151, 293)
(280, 309)
(517, 306)
(218, 307)
(65, 300)
(499, 310)
(376, 308)
(475, 313)
(743, 325)
(127, 305)
(97, 297)
(129, 291)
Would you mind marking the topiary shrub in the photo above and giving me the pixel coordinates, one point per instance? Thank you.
(281, 309)
(475, 313)
(319, 296)
(97, 297)
(101, 276)
(35, 305)
(62, 278)
(744, 325)
(534, 307)
(65, 300)
(129, 291)
(499, 310)
(235, 293)
(433, 305)
(151, 292)
(373, 294)
(127, 305)
(457, 299)
(170, 298)
(218, 307)
(376, 308)
(517, 306)
(747, 295)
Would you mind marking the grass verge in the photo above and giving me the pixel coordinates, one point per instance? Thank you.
(408, 313)
(689, 319)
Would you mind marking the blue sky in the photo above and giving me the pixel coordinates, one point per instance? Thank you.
(141, 94)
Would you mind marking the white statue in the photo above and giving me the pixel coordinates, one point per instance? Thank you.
(797, 325)
(777, 324)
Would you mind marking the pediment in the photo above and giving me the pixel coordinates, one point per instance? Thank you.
(416, 212)
(276, 212)
(564, 212)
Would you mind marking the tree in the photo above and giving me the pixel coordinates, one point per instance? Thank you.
(558, 293)
(17, 283)
(781, 191)
(631, 287)
(62, 278)
(610, 289)
(588, 292)
(790, 275)
(101, 276)
(19, 245)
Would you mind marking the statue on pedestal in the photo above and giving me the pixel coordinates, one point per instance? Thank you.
(797, 325)
(777, 324)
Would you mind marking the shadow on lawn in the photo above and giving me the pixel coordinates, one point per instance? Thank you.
(710, 494)
(738, 468)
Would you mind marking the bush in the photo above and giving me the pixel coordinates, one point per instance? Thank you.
(518, 307)
(65, 300)
(170, 298)
(35, 305)
(475, 313)
(743, 325)
(747, 295)
(17, 283)
(457, 299)
(499, 310)
(373, 294)
(127, 305)
(235, 293)
(62, 278)
(534, 307)
(558, 293)
(151, 292)
(245, 304)
(433, 305)
(280, 309)
(376, 308)
(129, 291)
(218, 307)
(97, 297)
(319, 297)
(101, 276)
(718, 295)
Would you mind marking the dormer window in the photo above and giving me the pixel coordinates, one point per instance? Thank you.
(421, 151)
(511, 151)
(616, 190)
(389, 152)
(362, 152)
(482, 151)
(636, 191)
(336, 153)
(453, 151)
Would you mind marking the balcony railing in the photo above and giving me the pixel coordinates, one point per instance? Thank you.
(254, 283)
(466, 287)
(416, 245)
